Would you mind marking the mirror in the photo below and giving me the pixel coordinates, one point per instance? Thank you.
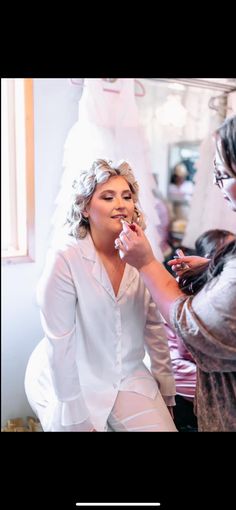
(178, 117)
(182, 157)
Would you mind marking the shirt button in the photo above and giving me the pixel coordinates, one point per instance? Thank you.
(115, 385)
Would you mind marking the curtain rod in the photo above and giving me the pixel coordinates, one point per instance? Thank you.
(199, 82)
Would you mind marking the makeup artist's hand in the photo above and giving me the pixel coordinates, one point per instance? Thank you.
(192, 261)
(134, 248)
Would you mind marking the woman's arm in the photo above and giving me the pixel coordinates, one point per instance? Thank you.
(205, 322)
(136, 250)
(57, 299)
(161, 285)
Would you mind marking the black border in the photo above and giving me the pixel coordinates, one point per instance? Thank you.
(55, 470)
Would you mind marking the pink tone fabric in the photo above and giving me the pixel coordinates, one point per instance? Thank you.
(183, 365)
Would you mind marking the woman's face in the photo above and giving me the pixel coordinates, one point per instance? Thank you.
(111, 202)
(225, 182)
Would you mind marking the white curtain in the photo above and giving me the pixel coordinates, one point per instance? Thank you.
(208, 208)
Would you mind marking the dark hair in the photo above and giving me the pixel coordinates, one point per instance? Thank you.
(174, 176)
(212, 244)
(226, 133)
(207, 244)
(222, 256)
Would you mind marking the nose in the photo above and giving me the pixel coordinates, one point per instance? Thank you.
(120, 203)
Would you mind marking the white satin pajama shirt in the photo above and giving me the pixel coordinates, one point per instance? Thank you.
(94, 341)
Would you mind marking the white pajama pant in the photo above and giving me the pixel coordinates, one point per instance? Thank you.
(133, 412)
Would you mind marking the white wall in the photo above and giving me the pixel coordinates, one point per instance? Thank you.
(55, 111)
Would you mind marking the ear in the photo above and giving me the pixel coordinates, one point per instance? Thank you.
(86, 211)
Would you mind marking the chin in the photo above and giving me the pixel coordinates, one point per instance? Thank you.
(117, 228)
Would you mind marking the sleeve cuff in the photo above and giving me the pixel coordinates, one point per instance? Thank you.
(74, 412)
(169, 401)
(166, 386)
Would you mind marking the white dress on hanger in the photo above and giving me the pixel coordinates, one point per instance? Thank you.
(208, 207)
(109, 127)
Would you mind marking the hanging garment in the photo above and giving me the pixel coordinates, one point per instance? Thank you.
(108, 127)
(208, 207)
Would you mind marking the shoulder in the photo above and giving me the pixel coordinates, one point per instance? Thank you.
(68, 245)
(215, 302)
(229, 270)
(224, 285)
(67, 252)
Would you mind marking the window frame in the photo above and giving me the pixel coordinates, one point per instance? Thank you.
(15, 255)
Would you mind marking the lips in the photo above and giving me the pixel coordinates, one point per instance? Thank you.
(119, 217)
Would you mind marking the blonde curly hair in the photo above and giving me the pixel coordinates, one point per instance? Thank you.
(83, 189)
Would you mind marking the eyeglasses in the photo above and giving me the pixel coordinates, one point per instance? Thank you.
(218, 180)
(218, 177)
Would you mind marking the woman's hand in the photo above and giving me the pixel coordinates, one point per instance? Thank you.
(178, 265)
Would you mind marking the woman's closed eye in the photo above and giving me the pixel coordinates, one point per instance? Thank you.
(126, 197)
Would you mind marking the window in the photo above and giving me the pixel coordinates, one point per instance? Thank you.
(17, 170)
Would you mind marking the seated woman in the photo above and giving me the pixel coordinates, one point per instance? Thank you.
(97, 315)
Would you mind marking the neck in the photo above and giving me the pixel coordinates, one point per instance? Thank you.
(105, 244)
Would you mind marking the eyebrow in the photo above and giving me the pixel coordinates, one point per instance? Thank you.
(114, 192)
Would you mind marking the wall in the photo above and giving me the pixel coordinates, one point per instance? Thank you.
(55, 111)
